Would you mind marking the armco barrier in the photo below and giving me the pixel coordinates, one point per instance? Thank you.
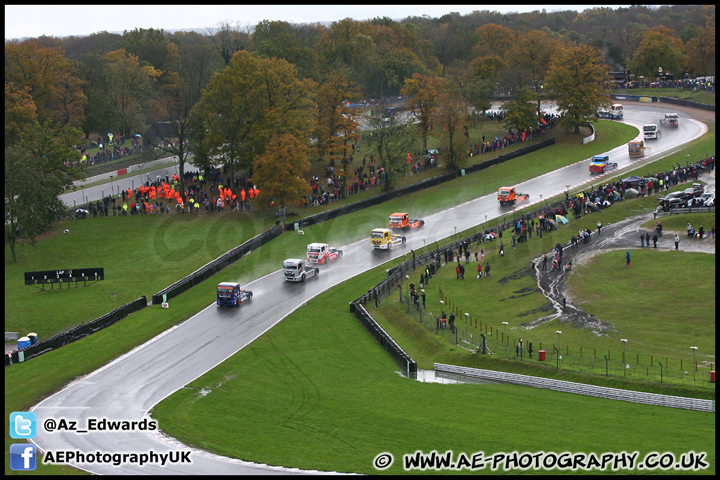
(76, 333)
(403, 359)
(687, 103)
(211, 268)
(581, 388)
(430, 182)
(376, 200)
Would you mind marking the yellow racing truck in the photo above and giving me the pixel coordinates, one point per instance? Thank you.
(383, 239)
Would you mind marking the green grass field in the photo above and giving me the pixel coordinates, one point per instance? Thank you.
(167, 248)
(321, 394)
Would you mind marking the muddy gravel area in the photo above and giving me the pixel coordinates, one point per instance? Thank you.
(618, 236)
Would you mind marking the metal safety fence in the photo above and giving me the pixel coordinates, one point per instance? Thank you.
(75, 333)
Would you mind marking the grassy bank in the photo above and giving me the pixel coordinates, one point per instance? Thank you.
(322, 394)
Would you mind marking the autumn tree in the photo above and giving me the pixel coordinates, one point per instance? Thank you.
(279, 39)
(38, 168)
(179, 89)
(519, 113)
(101, 114)
(392, 142)
(453, 116)
(630, 36)
(335, 124)
(532, 55)
(280, 171)
(131, 87)
(394, 58)
(701, 49)
(480, 80)
(247, 104)
(53, 85)
(495, 40)
(150, 46)
(424, 92)
(579, 81)
(659, 48)
(20, 110)
(448, 43)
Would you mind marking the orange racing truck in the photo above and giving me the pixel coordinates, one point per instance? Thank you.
(401, 221)
(636, 149)
(508, 196)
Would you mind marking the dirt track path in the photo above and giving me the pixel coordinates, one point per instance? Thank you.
(618, 236)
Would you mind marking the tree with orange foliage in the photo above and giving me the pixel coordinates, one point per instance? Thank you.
(280, 171)
(424, 92)
(20, 110)
(659, 48)
(53, 86)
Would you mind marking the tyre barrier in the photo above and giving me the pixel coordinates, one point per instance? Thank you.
(211, 268)
(701, 405)
(76, 333)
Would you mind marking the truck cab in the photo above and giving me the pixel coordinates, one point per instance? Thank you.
(670, 120)
(230, 293)
(507, 194)
(636, 149)
(401, 221)
(601, 163)
(322, 253)
(297, 270)
(383, 239)
(651, 131)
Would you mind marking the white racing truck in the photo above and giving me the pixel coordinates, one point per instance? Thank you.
(322, 253)
(297, 270)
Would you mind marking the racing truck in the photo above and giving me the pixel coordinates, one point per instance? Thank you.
(636, 149)
(651, 131)
(670, 120)
(230, 293)
(401, 221)
(297, 270)
(508, 196)
(322, 253)
(383, 239)
(601, 163)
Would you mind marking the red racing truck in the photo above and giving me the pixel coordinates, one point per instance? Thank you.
(401, 221)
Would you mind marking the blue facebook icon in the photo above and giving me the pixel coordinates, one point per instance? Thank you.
(23, 456)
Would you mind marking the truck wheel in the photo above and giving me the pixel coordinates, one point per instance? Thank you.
(422, 222)
(317, 272)
(403, 239)
(340, 254)
(250, 296)
(302, 279)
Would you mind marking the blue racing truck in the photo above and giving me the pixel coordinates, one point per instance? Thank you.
(230, 293)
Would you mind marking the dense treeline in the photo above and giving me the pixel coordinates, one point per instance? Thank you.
(376, 55)
(248, 94)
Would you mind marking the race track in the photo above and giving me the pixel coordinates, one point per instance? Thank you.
(127, 388)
